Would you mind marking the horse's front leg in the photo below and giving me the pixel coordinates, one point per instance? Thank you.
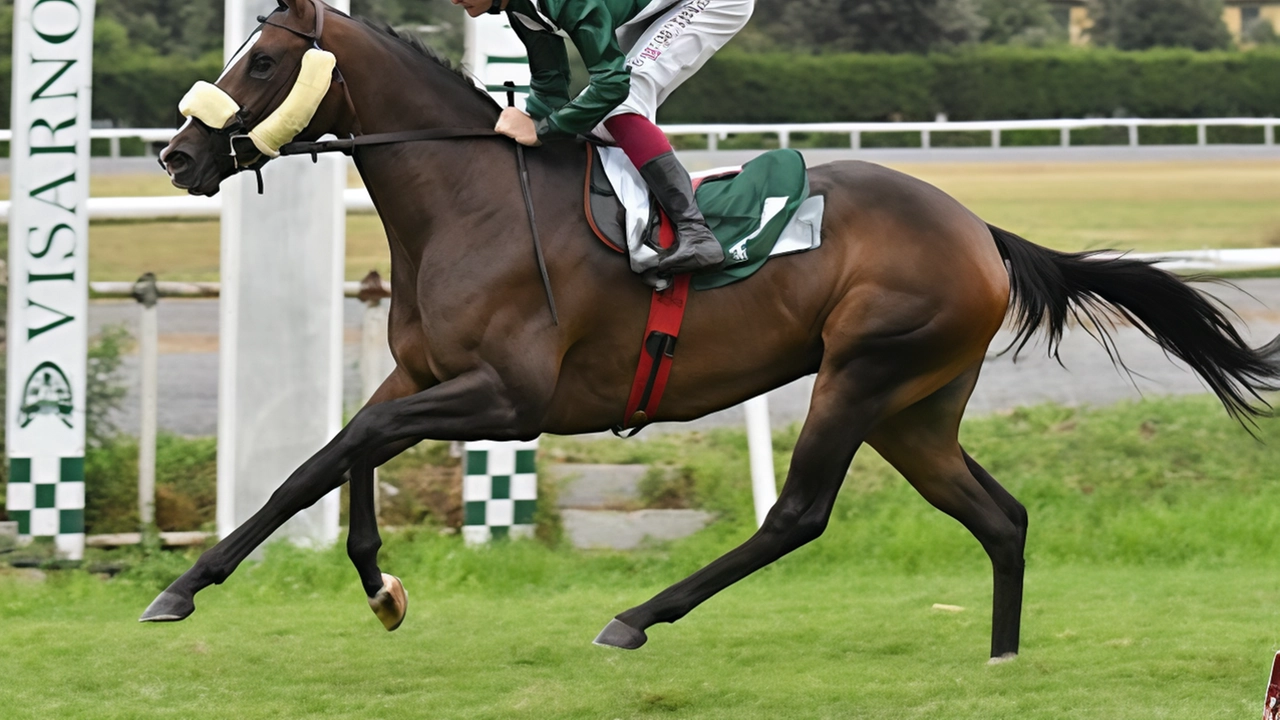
(387, 597)
(471, 406)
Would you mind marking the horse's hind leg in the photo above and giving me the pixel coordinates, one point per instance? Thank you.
(921, 442)
(844, 407)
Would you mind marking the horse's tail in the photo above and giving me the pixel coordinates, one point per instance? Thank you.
(1047, 286)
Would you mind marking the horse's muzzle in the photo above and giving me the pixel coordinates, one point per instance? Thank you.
(189, 172)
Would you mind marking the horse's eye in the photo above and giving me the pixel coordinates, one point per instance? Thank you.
(260, 66)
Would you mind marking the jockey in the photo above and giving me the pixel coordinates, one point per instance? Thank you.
(637, 52)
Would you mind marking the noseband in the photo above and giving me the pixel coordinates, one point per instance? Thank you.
(251, 147)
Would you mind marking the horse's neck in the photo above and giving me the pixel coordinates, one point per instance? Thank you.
(394, 87)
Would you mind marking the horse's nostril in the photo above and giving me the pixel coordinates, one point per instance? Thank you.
(177, 161)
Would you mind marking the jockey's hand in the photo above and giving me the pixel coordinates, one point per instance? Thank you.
(515, 124)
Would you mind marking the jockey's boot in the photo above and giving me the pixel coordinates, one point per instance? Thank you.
(695, 248)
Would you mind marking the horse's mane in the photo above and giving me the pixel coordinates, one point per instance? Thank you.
(414, 43)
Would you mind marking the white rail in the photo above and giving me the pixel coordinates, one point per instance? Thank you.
(358, 201)
(715, 132)
(189, 207)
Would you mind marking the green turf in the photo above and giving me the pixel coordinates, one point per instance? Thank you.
(1149, 207)
(1098, 643)
(1151, 592)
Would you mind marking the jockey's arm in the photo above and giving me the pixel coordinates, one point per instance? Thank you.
(548, 68)
(590, 27)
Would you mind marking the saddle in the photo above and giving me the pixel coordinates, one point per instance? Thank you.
(757, 211)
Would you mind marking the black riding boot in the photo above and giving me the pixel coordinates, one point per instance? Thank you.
(696, 248)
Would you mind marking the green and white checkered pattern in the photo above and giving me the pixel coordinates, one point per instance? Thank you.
(46, 497)
(499, 490)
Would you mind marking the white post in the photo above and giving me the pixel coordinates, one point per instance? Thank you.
(280, 346)
(764, 487)
(144, 291)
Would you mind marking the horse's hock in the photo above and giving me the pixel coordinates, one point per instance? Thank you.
(602, 507)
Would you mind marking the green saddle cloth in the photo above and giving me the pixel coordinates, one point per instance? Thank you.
(749, 210)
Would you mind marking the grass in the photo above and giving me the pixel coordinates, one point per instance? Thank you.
(1070, 206)
(1098, 643)
(1149, 207)
(1151, 592)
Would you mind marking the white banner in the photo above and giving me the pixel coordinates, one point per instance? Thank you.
(48, 268)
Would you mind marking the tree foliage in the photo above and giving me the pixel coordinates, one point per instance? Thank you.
(1144, 24)
(1020, 22)
(891, 26)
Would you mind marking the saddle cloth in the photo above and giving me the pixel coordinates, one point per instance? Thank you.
(758, 211)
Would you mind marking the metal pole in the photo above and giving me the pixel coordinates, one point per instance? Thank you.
(764, 487)
(373, 343)
(145, 292)
(373, 338)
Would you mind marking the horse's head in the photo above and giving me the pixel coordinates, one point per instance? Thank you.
(279, 88)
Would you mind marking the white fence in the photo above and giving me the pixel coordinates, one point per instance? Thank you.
(715, 132)
(358, 201)
(373, 290)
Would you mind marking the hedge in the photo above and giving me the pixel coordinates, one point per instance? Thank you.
(986, 83)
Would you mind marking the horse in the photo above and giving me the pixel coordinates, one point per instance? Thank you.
(894, 313)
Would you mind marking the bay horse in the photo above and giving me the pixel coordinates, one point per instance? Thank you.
(894, 313)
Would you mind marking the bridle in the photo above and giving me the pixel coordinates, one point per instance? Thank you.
(237, 131)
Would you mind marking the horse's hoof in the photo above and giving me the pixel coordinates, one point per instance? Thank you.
(620, 635)
(391, 603)
(168, 607)
(1007, 657)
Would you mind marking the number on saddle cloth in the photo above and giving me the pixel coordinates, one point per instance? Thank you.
(758, 211)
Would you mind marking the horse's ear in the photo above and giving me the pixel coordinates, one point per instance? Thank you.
(303, 12)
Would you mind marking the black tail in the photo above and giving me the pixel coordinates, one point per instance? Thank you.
(1049, 286)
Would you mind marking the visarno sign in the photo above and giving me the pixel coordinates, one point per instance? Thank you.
(48, 269)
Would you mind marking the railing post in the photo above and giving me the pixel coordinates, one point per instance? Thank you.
(924, 139)
(1133, 134)
(1202, 134)
(784, 138)
(713, 141)
(995, 138)
(114, 145)
(373, 343)
(764, 485)
(855, 140)
(1064, 137)
(1269, 134)
(145, 292)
